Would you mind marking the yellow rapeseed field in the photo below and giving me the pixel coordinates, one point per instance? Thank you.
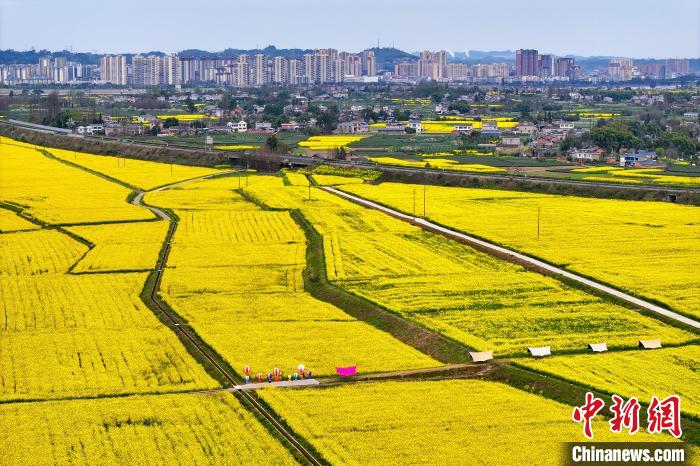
(437, 422)
(297, 179)
(10, 221)
(236, 147)
(138, 173)
(469, 296)
(235, 273)
(66, 335)
(95, 334)
(642, 374)
(162, 429)
(649, 248)
(329, 142)
(121, 246)
(335, 180)
(432, 162)
(56, 193)
(68, 332)
(636, 175)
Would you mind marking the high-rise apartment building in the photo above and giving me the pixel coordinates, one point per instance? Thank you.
(565, 67)
(147, 70)
(369, 63)
(280, 67)
(260, 70)
(113, 69)
(172, 70)
(526, 62)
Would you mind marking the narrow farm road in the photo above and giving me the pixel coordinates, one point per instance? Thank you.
(152, 289)
(516, 257)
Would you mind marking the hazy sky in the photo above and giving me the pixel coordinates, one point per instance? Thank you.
(634, 28)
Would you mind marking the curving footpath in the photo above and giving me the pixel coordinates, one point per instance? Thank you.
(515, 256)
(236, 389)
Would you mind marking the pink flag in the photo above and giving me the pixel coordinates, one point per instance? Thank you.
(346, 371)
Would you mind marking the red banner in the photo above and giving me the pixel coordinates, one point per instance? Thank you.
(346, 371)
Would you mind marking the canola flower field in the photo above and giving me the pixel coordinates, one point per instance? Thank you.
(57, 194)
(636, 175)
(329, 142)
(132, 246)
(163, 429)
(436, 162)
(662, 372)
(433, 422)
(623, 243)
(96, 335)
(447, 125)
(138, 173)
(102, 381)
(11, 221)
(263, 317)
(237, 147)
(473, 298)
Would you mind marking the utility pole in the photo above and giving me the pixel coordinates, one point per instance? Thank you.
(424, 188)
(414, 203)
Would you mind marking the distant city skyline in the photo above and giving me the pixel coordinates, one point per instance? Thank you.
(621, 28)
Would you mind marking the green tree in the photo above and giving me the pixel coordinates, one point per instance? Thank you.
(190, 104)
(272, 143)
(170, 122)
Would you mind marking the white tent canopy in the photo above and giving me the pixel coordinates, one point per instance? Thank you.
(541, 351)
(650, 344)
(482, 356)
(598, 347)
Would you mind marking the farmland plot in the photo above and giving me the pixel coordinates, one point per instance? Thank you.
(650, 249)
(162, 429)
(235, 273)
(642, 374)
(55, 193)
(433, 422)
(138, 173)
(469, 296)
(69, 335)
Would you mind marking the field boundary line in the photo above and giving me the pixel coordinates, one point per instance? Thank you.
(516, 257)
(151, 288)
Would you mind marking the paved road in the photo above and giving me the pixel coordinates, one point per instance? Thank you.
(517, 257)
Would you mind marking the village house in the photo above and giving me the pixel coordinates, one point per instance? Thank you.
(393, 128)
(416, 125)
(587, 154)
(239, 127)
(510, 141)
(462, 129)
(526, 128)
(640, 158)
(351, 127)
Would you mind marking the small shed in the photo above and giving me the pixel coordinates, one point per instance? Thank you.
(540, 352)
(481, 356)
(598, 347)
(649, 344)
